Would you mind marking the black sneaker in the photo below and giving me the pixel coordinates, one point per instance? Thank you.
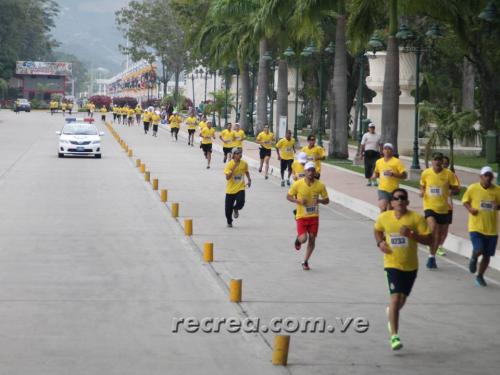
(236, 214)
(230, 225)
(473, 265)
(480, 281)
(305, 266)
(297, 244)
(431, 263)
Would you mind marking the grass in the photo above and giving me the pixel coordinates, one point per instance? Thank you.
(476, 162)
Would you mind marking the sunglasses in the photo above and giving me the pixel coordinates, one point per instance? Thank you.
(401, 198)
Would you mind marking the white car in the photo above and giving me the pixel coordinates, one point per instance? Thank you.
(80, 138)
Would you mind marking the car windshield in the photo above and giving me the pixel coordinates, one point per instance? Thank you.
(80, 129)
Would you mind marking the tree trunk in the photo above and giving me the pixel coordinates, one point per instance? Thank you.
(338, 140)
(245, 96)
(282, 96)
(262, 87)
(329, 111)
(390, 100)
(468, 85)
(176, 87)
(316, 108)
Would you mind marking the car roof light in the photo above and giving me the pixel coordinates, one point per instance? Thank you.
(70, 119)
(88, 119)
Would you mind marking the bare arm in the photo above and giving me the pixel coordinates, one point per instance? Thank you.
(468, 207)
(381, 244)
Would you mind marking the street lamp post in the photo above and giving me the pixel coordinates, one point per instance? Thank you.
(192, 87)
(252, 108)
(237, 116)
(226, 79)
(289, 54)
(213, 104)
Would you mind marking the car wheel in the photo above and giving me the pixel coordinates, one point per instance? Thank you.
(60, 155)
(97, 156)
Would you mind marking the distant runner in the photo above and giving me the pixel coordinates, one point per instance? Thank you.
(207, 135)
(235, 172)
(285, 148)
(266, 140)
(227, 138)
(175, 123)
(314, 153)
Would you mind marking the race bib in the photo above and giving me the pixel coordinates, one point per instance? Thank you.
(301, 175)
(487, 206)
(435, 191)
(238, 178)
(398, 240)
(238, 138)
(267, 142)
(311, 210)
(310, 158)
(288, 149)
(387, 173)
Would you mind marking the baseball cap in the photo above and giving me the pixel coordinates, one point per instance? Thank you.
(371, 125)
(309, 165)
(485, 170)
(437, 156)
(302, 157)
(236, 150)
(389, 145)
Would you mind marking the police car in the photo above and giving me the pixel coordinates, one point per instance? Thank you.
(79, 137)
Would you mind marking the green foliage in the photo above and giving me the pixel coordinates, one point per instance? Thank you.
(101, 101)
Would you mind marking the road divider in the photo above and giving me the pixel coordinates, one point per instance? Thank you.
(164, 195)
(188, 227)
(175, 209)
(235, 290)
(208, 252)
(280, 350)
(155, 184)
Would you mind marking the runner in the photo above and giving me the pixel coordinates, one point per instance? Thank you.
(103, 111)
(53, 107)
(235, 172)
(146, 120)
(119, 114)
(227, 138)
(285, 148)
(207, 135)
(191, 123)
(124, 114)
(63, 108)
(314, 153)
(370, 152)
(441, 250)
(482, 200)
(175, 122)
(265, 139)
(115, 112)
(91, 109)
(138, 113)
(203, 122)
(436, 186)
(70, 107)
(298, 164)
(130, 116)
(391, 171)
(306, 193)
(239, 136)
(155, 119)
(397, 233)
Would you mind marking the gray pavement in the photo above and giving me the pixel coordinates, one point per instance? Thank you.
(93, 269)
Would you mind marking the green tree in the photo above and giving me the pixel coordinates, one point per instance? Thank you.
(218, 104)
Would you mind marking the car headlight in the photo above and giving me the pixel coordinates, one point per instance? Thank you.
(63, 141)
(96, 142)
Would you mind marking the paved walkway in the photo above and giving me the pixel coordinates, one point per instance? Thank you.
(440, 325)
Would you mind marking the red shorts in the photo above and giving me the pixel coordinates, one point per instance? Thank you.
(308, 225)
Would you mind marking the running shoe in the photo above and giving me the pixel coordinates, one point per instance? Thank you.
(297, 244)
(208, 166)
(230, 225)
(375, 183)
(236, 214)
(260, 169)
(369, 183)
(266, 177)
(431, 263)
(473, 264)
(396, 342)
(480, 281)
(288, 182)
(282, 183)
(441, 251)
(305, 266)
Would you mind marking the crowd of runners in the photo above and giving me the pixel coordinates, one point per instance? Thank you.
(397, 230)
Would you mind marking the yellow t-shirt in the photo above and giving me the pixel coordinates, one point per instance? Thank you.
(301, 190)
(53, 105)
(285, 147)
(315, 155)
(266, 140)
(237, 182)
(389, 183)
(175, 121)
(146, 117)
(191, 123)
(155, 118)
(124, 111)
(91, 107)
(486, 201)
(116, 109)
(206, 135)
(202, 124)
(63, 105)
(131, 112)
(404, 250)
(227, 136)
(239, 137)
(138, 110)
(103, 110)
(298, 170)
(437, 189)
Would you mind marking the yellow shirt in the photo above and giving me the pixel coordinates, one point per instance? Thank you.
(138, 110)
(437, 189)
(124, 111)
(389, 183)
(116, 109)
(298, 170)
(155, 118)
(237, 182)
(146, 117)
(103, 110)
(315, 154)
(63, 106)
(266, 140)
(239, 137)
(175, 121)
(191, 123)
(53, 105)
(227, 136)
(202, 124)
(131, 112)
(206, 135)
(486, 201)
(404, 250)
(285, 147)
(301, 190)
(92, 107)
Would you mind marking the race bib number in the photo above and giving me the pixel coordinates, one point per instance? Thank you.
(288, 149)
(487, 206)
(301, 175)
(238, 138)
(267, 142)
(398, 240)
(387, 173)
(311, 210)
(238, 178)
(310, 158)
(435, 191)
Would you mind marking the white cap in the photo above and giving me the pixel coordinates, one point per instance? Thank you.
(157, 112)
(389, 145)
(309, 165)
(302, 157)
(371, 125)
(485, 170)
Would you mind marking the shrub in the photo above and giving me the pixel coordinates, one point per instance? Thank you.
(100, 101)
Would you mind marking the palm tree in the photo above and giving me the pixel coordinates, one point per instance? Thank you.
(262, 86)
(219, 103)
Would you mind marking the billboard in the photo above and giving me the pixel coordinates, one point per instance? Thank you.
(43, 68)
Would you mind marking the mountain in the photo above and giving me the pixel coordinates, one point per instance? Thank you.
(87, 30)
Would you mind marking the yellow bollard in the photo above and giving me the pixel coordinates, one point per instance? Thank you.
(235, 290)
(142, 168)
(280, 350)
(163, 195)
(147, 176)
(137, 163)
(175, 209)
(208, 252)
(188, 227)
(126, 147)
(155, 184)
(130, 153)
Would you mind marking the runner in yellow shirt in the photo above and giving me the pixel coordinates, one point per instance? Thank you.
(436, 186)
(266, 141)
(314, 153)
(203, 123)
(115, 112)
(397, 233)
(390, 170)
(482, 200)
(307, 193)
(146, 120)
(285, 149)
(63, 108)
(227, 138)
(191, 123)
(175, 123)
(91, 109)
(70, 107)
(207, 135)
(53, 107)
(138, 114)
(298, 171)
(239, 136)
(235, 172)
(155, 120)
(103, 112)
(130, 116)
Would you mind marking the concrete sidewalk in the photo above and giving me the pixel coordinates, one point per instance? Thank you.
(346, 279)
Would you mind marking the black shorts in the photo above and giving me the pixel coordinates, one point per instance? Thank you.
(206, 148)
(264, 152)
(400, 282)
(227, 150)
(191, 131)
(174, 130)
(286, 165)
(441, 219)
(155, 127)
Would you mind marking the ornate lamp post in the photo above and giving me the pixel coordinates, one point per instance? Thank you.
(289, 54)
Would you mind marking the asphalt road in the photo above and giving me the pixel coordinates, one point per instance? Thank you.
(93, 269)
